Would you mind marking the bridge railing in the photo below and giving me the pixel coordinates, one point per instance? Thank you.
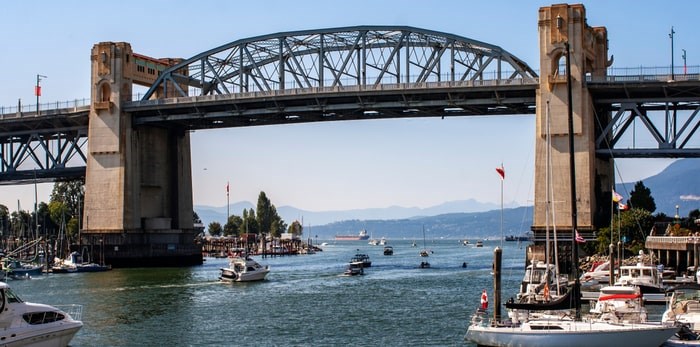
(337, 89)
(20, 110)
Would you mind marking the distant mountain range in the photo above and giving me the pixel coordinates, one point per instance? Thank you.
(678, 184)
(675, 185)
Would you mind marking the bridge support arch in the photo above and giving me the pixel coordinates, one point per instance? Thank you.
(138, 185)
(559, 24)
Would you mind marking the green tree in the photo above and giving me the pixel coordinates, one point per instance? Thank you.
(250, 223)
(640, 197)
(692, 215)
(4, 220)
(632, 226)
(72, 195)
(295, 228)
(265, 213)
(214, 229)
(233, 226)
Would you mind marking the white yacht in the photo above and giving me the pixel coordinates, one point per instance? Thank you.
(683, 309)
(244, 269)
(619, 304)
(646, 277)
(29, 324)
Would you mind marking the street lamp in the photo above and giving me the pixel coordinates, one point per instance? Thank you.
(37, 91)
(677, 215)
(671, 36)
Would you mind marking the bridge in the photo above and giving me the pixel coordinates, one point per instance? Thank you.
(138, 196)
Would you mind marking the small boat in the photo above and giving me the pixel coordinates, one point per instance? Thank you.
(424, 265)
(362, 258)
(646, 277)
(354, 268)
(382, 241)
(74, 263)
(244, 269)
(388, 250)
(30, 324)
(479, 243)
(620, 304)
(684, 310)
(373, 242)
(16, 269)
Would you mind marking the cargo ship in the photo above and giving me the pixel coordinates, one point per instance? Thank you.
(362, 235)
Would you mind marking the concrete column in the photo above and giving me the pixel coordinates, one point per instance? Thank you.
(138, 185)
(559, 24)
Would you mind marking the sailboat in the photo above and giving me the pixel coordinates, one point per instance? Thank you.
(565, 330)
(424, 253)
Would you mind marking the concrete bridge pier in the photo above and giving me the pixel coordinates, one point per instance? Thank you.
(138, 186)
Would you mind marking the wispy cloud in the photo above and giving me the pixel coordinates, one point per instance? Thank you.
(690, 197)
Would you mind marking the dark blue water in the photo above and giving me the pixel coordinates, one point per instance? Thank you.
(304, 302)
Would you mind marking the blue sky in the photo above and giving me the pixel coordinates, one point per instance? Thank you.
(335, 165)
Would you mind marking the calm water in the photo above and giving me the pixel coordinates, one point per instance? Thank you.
(304, 302)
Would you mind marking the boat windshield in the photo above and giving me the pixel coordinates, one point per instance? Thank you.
(687, 294)
(11, 296)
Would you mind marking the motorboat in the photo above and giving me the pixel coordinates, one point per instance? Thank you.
(619, 304)
(646, 277)
(539, 275)
(244, 269)
(479, 243)
(388, 250)
(424, 253)
(354, 268)
(16, 269)
(373, 242)
(424, 265)
(382, 241)
(363, 258)
(31, 324)
(683, 309)
(598, 274)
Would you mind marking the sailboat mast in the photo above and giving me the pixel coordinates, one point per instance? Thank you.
(572, 177)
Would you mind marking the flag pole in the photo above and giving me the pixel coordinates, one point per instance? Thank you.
(502, 172)
(228, 203)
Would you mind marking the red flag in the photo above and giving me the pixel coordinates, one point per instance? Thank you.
(579, 238)
(37, 90)
(501, 171)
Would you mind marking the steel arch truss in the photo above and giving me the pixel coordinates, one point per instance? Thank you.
(37, 156)
(646, 130)
(351, 56)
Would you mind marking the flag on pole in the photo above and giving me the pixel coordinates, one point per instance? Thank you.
(579, 238)
(501, 171)
(37, 90)
(622, 206)
(616, 197)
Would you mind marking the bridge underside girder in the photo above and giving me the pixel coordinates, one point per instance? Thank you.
(338, 104)
(654, 119)
(43, 148)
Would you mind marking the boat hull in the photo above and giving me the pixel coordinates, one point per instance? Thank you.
(59, 336)
(570, 334)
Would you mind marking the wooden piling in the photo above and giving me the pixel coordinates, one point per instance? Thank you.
(497, 255)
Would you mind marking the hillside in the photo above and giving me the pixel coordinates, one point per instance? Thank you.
(675, 185)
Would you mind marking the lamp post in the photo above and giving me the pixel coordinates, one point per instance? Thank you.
(671, 36)
(677, 215)
(37, 91)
